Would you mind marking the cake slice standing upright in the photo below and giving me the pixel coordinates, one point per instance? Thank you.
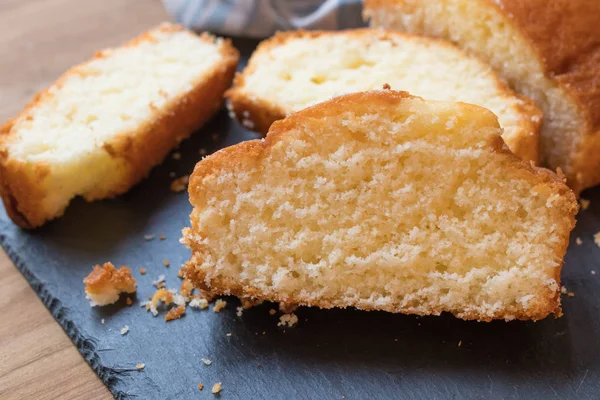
(382, 201)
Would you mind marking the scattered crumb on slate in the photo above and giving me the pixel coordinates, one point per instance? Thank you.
(180, 184)
(459, 343)
(216, 388)
(160, 282)
(105, 283)
(563, 290)
(264, 332)
(200, 386)
(148, 236)
(288, 320)
(239, 311)
(396, 339)
(584, 203)
(166, 262)
(228, 334)
(593, 272)
(287, 308)
(124, 330)
(272, 311)
(129, 301)
(162, 237)
(186, 288)
(180, 273)
(142, 271)
(206, 361)
(175, 313)
(571, 294)
(597, 239)
(140, 366)
(578, 241)
(199, 303)
(102, 321)
(160, 295)
(176, 155)
(219, 305)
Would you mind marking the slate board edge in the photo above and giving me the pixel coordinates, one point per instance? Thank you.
(85, 346)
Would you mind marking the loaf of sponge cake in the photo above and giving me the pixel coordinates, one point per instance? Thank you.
(105, 123)
(548, 50)
(382, 201)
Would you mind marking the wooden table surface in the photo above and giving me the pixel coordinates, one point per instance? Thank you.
(39, 39)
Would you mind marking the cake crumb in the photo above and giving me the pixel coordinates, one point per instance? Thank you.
(216, 388)
(166, 263)
(597, 239)
(124, 330)
(459, 343)
(219, 305)
(200, 386)
(186, 288)
(593, 272)
(160, 282)
(386, 86)
(239, 311)
(288, 320)
(272, 311)
(160, 295)
(180, 184)
(584, 203)
(206, 361)
(148, 237)
(571, 294)
(140, 366)
(175, 313)
(176, 155)
(578, 241)
(563, 290)
(129, 301)
(102, 321)
(228, 334)
(247, 303)
(162, 237)
(142, 271)
(105, 284)
(199, 303)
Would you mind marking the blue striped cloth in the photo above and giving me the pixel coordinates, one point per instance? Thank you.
(261, 18)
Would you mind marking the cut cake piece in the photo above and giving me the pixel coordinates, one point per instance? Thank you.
(105, 123)
(294, 70)
(547, 50)
(382, 201)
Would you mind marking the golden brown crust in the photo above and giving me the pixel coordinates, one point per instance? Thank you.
(138, 151)
(566, 37)
(258, 114)
(242, 155)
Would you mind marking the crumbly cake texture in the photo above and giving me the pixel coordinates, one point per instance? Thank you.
(293, 70)
(105, 123)
(105, 283)
(547, 50)
(382, 201)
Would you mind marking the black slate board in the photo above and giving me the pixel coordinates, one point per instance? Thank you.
(330, 354)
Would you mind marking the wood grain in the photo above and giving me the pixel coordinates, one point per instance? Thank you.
(40, 39)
